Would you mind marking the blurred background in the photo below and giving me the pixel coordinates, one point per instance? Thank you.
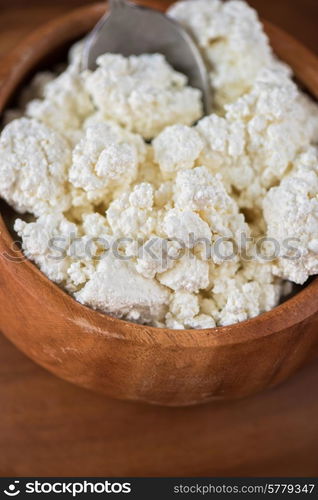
(17, 17)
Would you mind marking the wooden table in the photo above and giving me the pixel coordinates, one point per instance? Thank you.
(49, 427)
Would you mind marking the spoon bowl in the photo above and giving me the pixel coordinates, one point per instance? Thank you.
(131, 29)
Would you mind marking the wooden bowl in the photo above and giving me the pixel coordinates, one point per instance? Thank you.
(129, 361)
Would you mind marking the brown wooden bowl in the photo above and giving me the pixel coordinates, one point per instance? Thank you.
(129, 361)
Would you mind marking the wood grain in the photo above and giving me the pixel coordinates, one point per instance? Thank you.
(49, 427)
(52, 428)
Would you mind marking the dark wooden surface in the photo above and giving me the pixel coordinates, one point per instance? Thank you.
(49, 427)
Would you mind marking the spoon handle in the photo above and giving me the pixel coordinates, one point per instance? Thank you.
(114, 4)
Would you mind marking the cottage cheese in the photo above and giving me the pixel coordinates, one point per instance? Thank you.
(143, 93)
(34, 162)
(232, 41)
(106, 158)
(117, 288)
(291, 214)
(64, 106)
(47, 241)
(145, 210)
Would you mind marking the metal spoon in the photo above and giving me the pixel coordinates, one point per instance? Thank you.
(130, 29)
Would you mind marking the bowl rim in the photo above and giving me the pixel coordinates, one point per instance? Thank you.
(14, 67)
